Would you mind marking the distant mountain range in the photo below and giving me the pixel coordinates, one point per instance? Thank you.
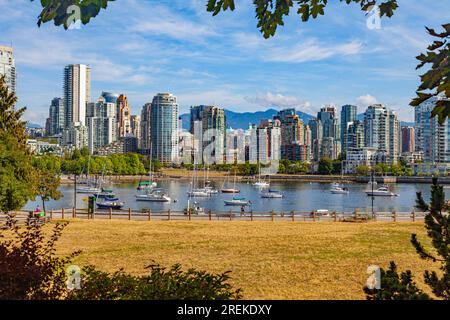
(238, 120)
(34, 125)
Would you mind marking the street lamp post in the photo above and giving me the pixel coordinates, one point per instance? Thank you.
(373, 197)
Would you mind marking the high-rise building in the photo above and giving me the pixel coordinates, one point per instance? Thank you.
(75, 136)
(101, 124)
(292, 131)
(348, 116)
(77, 93)
(265, 142)
(145, 141)
(315, 126)
(164, 128)
(354, 138)
(196, 115)
(211, 147)
(8, 67)
(56, 117)
(123, 116)
(431, 138)
(330, 123)
(382, 131)
(213, 126)
(135, 124)
(408, 140)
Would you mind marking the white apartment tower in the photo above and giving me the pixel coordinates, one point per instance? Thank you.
(8, 67)
(77, 93)
(431, 138)
(382, 131)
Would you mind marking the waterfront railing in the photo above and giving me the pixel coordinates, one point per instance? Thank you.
(220, 215)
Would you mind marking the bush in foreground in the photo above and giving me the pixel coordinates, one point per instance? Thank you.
(31, 270)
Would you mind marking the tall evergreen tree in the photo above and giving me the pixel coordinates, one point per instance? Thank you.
(17, 176)
(437, 224)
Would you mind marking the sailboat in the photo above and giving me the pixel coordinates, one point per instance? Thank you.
(261, 183)
(197, 192)
(150, 184)
(154, 195)
(230, 190)
(90, 188)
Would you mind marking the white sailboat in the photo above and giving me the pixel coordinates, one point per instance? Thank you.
(196, 192)
(150, 184)
(260, 183)
(90, 187)
(155, 195)
(230, 190)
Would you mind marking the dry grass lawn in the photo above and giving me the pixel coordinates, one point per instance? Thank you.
(268, 260)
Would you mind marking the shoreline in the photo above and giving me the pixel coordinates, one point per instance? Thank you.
(185, 175)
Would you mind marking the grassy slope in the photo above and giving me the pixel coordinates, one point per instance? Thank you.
(281, 260)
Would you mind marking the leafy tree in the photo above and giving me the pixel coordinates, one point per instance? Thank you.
(29, 266)
(436, 81)
(325, 166)
(47, 186)
(437, 224)
(17, 176)
(362, 170)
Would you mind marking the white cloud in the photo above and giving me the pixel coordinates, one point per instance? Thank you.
(270, 99)
(312, 50)
(366, 100)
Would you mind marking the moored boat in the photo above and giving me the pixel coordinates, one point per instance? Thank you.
(237, 202)
(117, 205)
(272, 194)
(381, 192)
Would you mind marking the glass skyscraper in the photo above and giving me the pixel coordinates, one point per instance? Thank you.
(348, 116)
(164, 128)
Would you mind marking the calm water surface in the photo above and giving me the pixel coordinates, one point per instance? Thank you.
(298, 196)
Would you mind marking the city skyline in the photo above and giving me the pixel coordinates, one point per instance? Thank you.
(302, 67)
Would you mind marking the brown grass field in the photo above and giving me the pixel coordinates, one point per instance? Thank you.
(268, 260)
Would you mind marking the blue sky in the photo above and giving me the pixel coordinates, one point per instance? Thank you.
(142, 47)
